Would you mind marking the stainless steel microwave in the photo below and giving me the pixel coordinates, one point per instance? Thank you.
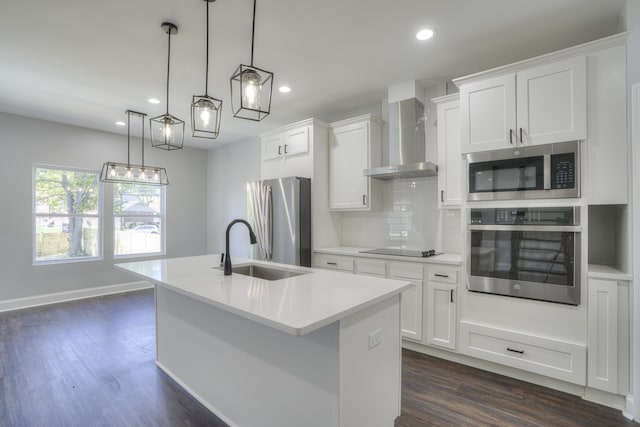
(538, 172)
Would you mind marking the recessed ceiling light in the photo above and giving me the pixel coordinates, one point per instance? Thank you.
(120, 123)
(284, 89)
(154, 100)
(425, 34)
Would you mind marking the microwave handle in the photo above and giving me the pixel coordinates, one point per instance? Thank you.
(547, 171)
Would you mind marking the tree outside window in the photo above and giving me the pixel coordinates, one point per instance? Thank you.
(66, 215)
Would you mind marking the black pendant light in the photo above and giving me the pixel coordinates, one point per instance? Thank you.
(206, 110)
(167, 131)
(131, 173)
(251, 87)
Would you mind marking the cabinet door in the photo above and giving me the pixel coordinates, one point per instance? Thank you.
(449, 156)
(488, 114)
(272, 147)
(602, 319)
(411, 311)
(348, 157)
(441, 314)
(552, 103)
(296, 142)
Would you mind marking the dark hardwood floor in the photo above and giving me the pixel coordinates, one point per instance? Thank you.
(437, 392)
(91, 363)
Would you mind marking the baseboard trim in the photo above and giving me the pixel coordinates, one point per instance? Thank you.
(58, 297)
(195, 395)
(629, 408)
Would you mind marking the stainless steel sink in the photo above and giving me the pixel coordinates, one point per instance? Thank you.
(266, 273)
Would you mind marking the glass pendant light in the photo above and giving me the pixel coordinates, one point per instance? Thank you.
(131, 173)
(206, 110)
(167, 131)
(251, 87)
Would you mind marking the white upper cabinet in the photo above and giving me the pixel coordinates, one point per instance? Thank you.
(354, 145)
(539, 105)
(488, 114)
(287, 151)
(449, 155)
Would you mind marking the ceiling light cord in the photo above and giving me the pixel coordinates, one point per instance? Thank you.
(129, 138)
(253, 30)
(206, 73)
(142, 125)
(168, 67)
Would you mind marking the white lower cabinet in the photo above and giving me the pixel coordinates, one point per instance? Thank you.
(608, 331)
(411, 299)
(441, 314)
(333, 262)
(545, 356)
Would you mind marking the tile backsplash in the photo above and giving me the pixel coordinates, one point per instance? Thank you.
(409, 218)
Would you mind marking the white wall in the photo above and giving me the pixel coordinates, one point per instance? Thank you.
(28, 141)
(230, 167)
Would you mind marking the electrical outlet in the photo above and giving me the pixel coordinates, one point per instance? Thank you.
(375, 338)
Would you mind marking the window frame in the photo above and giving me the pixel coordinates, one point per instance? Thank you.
(163, 221)
(98, 216)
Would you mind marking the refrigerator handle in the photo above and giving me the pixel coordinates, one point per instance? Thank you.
(269, 243)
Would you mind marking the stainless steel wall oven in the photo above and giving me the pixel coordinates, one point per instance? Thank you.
(526, 252)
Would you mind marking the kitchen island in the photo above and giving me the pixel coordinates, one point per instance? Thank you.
(320, 348)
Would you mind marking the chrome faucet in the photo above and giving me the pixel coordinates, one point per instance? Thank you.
(227, 257)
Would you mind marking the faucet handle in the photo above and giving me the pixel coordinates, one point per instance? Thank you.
(222, 259)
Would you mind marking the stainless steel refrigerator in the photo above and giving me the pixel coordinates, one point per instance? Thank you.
(279, 210)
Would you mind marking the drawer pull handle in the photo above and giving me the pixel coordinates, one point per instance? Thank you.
(441, 275)
(515, 351)
(332, 263)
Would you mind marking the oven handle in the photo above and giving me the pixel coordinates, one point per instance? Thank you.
(559, 228)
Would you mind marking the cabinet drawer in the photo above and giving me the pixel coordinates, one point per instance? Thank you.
(406, 270)
(372, 267)
(443, 274)
(553, 358)
(334, 262)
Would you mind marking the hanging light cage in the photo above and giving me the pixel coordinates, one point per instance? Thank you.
(131, 173)
(206, 111)
(205, 116)
(251, 86)
(167, 131)
(251, 92)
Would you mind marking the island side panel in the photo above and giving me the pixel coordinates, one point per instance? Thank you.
(247, 373)
(370, 376)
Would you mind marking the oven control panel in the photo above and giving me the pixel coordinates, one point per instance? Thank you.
(525, 216)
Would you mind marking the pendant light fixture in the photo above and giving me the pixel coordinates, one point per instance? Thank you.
(167, 131)
(130, 173)
(251, 87)
(206, 110)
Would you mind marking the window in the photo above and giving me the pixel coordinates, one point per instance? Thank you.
(139, 214)
(66, 215)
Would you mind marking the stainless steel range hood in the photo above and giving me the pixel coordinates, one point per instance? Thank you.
(406, 156)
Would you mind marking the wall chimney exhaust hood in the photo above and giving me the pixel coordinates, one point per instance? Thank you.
(406, 155)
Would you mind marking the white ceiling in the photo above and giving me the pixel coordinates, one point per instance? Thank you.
(84, 62)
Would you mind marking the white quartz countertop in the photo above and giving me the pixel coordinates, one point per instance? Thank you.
(296, 305)
(449, 259)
